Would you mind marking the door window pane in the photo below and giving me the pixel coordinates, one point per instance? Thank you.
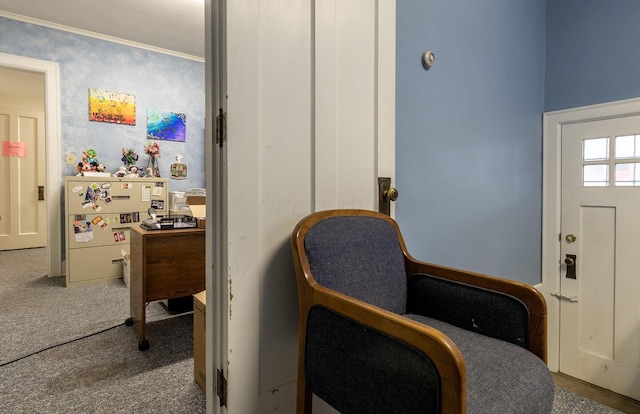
(628, 174)
(595, 149)
(595, 175)
(628, 146)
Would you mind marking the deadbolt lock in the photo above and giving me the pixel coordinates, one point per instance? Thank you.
(570, 238)
(570, 261)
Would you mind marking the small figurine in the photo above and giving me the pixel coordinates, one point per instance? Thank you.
(122, 172)
(133, 171)
(89, 163)
(84, 167)
(90, 156)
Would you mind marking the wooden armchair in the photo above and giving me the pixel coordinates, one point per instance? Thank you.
(382, 332)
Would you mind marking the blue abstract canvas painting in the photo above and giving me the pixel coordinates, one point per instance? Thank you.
(168, 126)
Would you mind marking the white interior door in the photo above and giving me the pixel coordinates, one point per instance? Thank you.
(310, 90)
(53, 182)
(600, 307)
(23, 218)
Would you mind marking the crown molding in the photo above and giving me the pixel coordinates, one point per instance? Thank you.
(99, 36)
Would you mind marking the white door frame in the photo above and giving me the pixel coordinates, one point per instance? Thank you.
(216, 284)
(52, 148)
(551, 203)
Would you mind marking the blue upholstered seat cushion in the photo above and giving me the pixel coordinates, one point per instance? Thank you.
(501, 377)
(359, 256)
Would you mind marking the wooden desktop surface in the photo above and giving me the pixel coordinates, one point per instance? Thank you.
(165, 264)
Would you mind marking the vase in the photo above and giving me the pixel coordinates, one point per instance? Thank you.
(152, 168)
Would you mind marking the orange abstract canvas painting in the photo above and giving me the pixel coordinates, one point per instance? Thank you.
(113, 107)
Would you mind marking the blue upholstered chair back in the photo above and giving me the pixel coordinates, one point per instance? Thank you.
(360, 257)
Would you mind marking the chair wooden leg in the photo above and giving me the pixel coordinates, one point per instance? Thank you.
(308, 402)
(305, 400)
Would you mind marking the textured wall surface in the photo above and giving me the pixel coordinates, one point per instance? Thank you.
(159, 81)
(592, 52)
(469, 133)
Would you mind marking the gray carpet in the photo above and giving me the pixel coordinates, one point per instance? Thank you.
(105, 373)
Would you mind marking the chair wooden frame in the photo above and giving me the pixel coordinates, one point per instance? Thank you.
(441, 350)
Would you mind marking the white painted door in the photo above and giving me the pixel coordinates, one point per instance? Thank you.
(23, 221)
(600, 308)
(310, 97)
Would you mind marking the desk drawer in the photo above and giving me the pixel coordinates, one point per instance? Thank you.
(93, 230)
(115, 196)
(95, 264)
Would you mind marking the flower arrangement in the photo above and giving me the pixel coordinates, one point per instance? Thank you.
(129, 157)
(153, 151)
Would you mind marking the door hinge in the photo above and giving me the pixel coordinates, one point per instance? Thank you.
(221, 388)
(221, 127)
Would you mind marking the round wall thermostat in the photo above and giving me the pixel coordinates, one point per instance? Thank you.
(428, 59)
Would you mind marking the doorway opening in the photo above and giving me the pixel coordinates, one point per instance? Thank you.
(53, 184)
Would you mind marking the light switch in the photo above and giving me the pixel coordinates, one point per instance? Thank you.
(71, 159)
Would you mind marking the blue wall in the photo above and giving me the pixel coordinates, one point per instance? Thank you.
(592, 52)
(468, 133)
(159, 81)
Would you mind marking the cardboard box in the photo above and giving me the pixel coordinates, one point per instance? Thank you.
(126, 268)
(198, 207)
(199, 335)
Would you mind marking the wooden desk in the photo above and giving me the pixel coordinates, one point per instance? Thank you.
(165, 264)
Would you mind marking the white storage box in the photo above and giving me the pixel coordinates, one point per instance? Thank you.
(126, 269)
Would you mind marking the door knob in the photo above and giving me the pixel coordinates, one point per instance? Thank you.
(392, 194)
(386, 194)
(569, 261)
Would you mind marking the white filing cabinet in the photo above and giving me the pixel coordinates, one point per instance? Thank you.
(99, 212)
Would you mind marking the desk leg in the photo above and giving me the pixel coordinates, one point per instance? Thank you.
(138, 310)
